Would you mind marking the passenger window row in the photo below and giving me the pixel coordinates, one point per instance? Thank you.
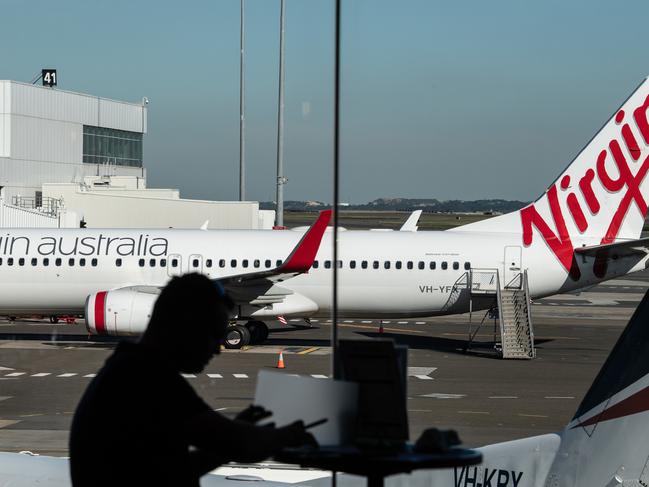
(45, 261)
(375, 264)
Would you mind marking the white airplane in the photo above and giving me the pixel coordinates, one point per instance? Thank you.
(583, 230)
(604, 445)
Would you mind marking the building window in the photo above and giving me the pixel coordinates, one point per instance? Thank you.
(104, 145)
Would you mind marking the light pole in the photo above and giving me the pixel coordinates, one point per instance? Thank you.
(281, 180)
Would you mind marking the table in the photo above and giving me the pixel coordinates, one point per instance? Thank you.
(375, 465)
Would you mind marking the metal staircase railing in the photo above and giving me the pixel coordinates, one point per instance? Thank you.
(511, 305)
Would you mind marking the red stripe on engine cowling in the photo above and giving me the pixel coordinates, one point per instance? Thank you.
(100, 315)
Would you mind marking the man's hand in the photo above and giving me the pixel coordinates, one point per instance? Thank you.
(253, 414)
(294, 434)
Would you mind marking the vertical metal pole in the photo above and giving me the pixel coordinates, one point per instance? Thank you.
(279, 216)
(242, 146)
(336, 196)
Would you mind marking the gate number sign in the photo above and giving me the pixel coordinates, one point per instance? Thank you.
(49, 77)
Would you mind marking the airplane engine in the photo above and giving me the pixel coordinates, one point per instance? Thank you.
(119, 312)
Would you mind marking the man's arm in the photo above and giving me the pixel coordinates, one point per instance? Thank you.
(226, 440)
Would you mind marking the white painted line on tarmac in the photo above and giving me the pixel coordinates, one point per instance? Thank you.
(532, 415)
(189, 376)
(422, 377)
(348, 321)
(314, 321)
(559, 397)
(90, 375)
(15, 374)
(67, 374)
(402, 322)
(503, 397)
(215, 376)
(240, 376)
(473, 412)
(366, 321)
(5, 368)
(319, 376)
(420, 322)
(416, 371)
(439, 395)
(42, 374)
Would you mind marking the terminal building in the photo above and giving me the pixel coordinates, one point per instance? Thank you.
(82, 156)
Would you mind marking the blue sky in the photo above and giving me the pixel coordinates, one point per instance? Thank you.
(465, 99)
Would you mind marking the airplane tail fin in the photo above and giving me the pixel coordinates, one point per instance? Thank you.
(603, 192)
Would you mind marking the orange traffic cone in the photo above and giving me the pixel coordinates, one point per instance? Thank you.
(280, 361)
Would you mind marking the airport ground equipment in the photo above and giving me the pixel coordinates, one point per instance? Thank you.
(512, 308)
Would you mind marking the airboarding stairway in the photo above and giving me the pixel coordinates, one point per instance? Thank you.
(510, 304)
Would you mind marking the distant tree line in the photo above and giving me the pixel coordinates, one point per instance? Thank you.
(410, 204)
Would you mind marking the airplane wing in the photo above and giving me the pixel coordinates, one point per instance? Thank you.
(410, 224)
(260, 288)
(627, 248)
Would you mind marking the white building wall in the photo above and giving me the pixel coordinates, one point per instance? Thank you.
(41, 135)
(108, 209)
(46, 140)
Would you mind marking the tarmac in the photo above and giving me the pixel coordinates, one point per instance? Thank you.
(44, 369)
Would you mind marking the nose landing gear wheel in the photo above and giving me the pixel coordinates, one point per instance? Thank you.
(258, 331)
(236, 337)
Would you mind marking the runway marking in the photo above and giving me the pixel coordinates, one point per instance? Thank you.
(15, 374)
(215, 376)
(189, 376)
(348, 321)
(308, 350)
(366, 321)
(419, 371)
(532, 415)
(559, 397)
(314, 321)
(420, 322)
(90, 375)
(41, 374)
(7, 422)
(4, 398)
(319, 376)
(5, 368)
(474, 412)
(420, 410)
(67, 374)
(402, 322)
(422, 377)
(240, 376)
(503, 397)
(439, 395)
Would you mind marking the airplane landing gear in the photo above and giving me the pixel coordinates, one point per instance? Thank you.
(236, 337)
(258, 331)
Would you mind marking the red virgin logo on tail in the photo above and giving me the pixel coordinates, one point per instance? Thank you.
(560, 243)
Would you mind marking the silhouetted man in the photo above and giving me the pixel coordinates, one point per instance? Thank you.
(141, 423)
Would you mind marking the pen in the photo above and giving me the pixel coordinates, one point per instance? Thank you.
(316, 423)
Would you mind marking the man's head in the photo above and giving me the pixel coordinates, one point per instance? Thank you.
(189, 321)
